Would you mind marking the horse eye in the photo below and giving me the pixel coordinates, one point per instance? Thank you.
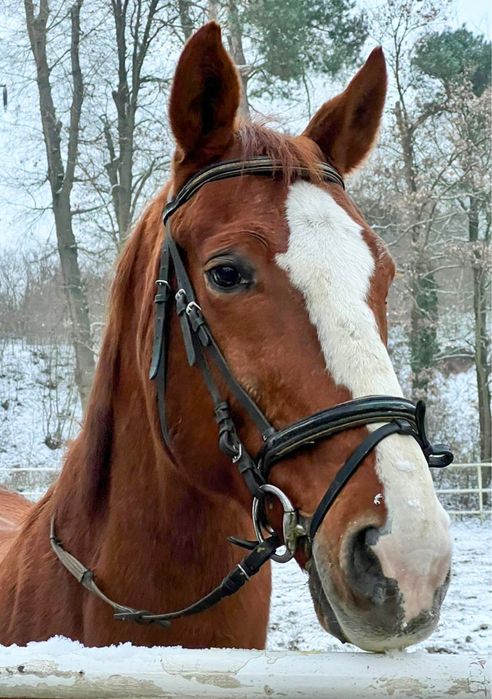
(227, 276)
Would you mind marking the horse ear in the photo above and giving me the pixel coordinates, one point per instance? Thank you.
(346, 126)
(204, 97)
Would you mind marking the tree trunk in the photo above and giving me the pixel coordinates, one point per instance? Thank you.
(423, 287)
(237, 53)
(185, 17)
(423, 342)
(481, 354)
(61, 177)
(122, 176)
(76, 298)
(120, 167)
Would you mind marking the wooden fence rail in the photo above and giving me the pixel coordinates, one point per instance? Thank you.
(59, 668)
(480, 491)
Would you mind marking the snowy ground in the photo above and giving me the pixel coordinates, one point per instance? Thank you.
(38, 403)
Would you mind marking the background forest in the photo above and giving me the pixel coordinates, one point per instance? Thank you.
(84, 143)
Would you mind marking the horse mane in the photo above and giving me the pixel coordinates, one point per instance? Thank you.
(89, 456)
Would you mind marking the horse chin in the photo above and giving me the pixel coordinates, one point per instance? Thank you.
(324, 611)
(364, 628)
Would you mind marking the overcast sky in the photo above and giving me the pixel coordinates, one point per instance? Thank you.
(476, 14)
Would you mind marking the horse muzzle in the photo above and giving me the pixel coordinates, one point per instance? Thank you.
(356, 602)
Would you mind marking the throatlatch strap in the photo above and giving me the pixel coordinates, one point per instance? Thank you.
(240, 574)
(85, 575)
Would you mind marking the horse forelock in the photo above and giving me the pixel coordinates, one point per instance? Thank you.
(254, 139)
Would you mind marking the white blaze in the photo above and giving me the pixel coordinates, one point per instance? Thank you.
(329, 261)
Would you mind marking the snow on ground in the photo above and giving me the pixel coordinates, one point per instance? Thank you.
(38, 403)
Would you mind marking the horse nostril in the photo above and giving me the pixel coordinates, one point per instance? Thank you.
(371, 535)
(364, 572)
(364, 561)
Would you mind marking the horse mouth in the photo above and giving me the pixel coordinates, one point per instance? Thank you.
(372, 630)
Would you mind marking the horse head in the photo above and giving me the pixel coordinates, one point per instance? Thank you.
(293, 285)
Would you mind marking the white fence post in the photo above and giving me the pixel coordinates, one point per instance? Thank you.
(480, 489)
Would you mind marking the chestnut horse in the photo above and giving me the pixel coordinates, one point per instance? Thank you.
(292, 283)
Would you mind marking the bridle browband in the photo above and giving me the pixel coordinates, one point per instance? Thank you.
(394, 415)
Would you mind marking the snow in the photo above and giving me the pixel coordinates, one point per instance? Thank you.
(37, 400)
(453, 413)
(67, 651)
(451, 400)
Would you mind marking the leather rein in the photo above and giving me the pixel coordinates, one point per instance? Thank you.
(397, 415)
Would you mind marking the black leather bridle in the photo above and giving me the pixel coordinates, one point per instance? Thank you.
(397, 415)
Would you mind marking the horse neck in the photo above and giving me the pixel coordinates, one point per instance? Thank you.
(168, 536)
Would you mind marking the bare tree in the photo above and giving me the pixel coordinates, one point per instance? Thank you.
(187, 25)
(61, 174)
(398, 25)
(235, 42)
(458, 62)
(470, 131)
(137, 24)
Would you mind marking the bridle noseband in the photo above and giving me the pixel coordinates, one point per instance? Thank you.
(394, 415)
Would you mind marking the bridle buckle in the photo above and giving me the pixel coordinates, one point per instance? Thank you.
(237, 456)
(163, 291)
